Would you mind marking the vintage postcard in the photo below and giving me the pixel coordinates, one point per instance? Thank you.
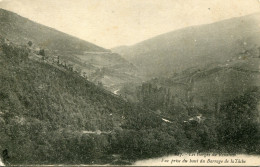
(130, 82)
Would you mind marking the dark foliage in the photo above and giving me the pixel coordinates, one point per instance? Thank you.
(30, 43)
(45, 109)
(234, 128)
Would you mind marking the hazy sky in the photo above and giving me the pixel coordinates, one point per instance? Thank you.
(111, 23)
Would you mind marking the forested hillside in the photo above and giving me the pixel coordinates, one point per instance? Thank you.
(50, 114)
(46, 110)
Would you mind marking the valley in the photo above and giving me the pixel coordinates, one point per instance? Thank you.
(66, 101)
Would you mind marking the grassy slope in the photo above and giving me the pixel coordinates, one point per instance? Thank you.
(194, 46)
(82, 55)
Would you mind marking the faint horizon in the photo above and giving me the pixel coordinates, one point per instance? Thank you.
(113, 23)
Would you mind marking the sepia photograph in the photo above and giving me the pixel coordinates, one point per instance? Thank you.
(129, 83)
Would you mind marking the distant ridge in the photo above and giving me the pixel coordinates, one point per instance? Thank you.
(16, 28)
(194, 46)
